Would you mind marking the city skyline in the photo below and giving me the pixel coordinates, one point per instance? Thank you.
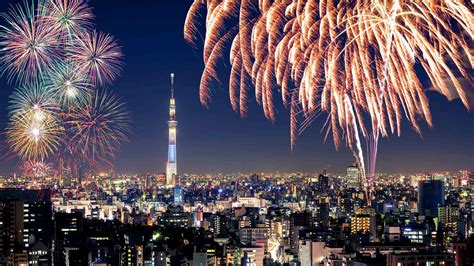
(218, 140)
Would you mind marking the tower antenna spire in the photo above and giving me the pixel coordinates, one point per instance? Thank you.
(172, 85)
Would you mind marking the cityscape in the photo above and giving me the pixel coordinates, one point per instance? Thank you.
(87, 180)
(239, 219)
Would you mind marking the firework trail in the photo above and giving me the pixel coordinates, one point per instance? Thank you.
(358, 61)
(99, 127)
(58, 113)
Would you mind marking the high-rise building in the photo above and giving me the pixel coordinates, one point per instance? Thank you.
(219, 224)
(323, 182)
(322, 210)
(298, 221)
(25, 226)
(254, 235)
(430, 195)
(362, 223)
(448, 214)
(178, 195)
(354, 179)
(449, 220)
(252, 255)
(304, 252)
(171, 164)
(68, 243)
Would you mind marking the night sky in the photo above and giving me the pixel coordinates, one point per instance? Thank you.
(217, 139)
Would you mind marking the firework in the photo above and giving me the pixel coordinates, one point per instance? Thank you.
(354, 60)
(99, 127)
(69, 17)
(34, 130)
(68, 86)
(31, 139)
(35, 169)
(97, 56)
(33, 101)
(28, 47)
(58, 112)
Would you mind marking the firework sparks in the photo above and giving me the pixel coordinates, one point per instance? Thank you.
(33, 140)
(35, 169)
(100, 127)
(28, 46)
(68, 86)
(97, 56)
(33, 101)
(354, 60)
(69, 17)
(58, 112)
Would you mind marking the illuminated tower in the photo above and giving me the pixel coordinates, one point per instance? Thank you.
(172, 165)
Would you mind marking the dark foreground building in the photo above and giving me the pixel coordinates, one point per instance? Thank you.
(25, 227)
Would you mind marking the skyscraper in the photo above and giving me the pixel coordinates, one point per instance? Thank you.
(354, 179)
(178, 195)
(68, 240)
(323, 182)
(171, 164)
(430, 195)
